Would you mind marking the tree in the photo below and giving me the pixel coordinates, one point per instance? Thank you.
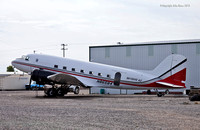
(10, 69)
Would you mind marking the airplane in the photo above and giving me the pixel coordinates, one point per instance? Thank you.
(61, 73)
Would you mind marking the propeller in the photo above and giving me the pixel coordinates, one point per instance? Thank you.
(30, 81)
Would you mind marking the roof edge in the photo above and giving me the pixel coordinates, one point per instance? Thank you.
(152, 43)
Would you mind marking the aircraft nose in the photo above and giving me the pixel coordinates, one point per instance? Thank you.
(20, 65)
(13, 63)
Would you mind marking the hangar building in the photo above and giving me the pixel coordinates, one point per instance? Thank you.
(146, 56)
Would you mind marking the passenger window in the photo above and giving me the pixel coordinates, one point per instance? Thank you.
(64, 67)
(90, 72)
(108, 75)
(99, 74)
(55, 66)
(73, 69)
(82, 71)
(36, 60)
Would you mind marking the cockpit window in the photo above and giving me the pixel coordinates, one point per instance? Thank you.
(26, 58)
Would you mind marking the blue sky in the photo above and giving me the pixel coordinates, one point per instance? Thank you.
(43, 25)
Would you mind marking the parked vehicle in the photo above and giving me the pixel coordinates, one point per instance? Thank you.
(194, 94)
(34, 86)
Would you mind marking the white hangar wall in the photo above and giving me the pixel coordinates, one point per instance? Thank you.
(146, 56)
(13, 81)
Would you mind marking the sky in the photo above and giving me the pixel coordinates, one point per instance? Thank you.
(43, 25)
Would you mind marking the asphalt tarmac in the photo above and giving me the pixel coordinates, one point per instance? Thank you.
(23, 110)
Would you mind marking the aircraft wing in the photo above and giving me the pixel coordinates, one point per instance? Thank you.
(65, 79)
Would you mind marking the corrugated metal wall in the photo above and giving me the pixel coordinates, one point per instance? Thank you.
(147, 57)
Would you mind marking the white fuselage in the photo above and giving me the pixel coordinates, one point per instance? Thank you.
(90, 74)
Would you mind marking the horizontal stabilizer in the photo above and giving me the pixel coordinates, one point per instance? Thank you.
(170, 85)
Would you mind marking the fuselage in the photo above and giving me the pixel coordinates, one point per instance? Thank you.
(89, 73)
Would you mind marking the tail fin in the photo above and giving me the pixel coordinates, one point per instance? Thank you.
(172, 71)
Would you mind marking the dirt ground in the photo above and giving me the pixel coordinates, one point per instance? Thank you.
(23, 110)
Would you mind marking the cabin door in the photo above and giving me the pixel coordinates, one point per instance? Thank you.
(117, 79)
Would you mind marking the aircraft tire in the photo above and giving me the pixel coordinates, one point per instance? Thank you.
(60, 92)
(159, 94)
(149, 92)
(51, 92)
(76, 91)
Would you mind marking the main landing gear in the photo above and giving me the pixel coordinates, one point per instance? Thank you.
(61, 90)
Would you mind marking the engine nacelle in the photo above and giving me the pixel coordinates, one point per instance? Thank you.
(40, 76)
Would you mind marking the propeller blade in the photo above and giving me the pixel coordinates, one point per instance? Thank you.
(30, 81)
